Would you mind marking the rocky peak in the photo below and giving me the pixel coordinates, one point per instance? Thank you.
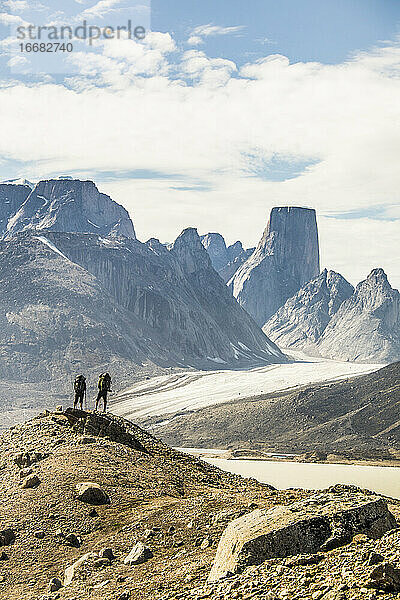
(234, 250)
(292, 230)
(69, 205)
(374, 291)
(286, 257)
(225, 259)
(215, 245)
(303, 318)
(367, 325)
(190, 251)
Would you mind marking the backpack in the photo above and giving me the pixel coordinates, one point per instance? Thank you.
(105, 382)
(79, 384)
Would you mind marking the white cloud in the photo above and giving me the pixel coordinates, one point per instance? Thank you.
(195, 40)
(16, 5)
(202, 31)
(12, 20)
(100, 9)
(17, 61)
(199, 122)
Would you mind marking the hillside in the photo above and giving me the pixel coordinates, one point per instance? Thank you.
(358, 418)
(93, 507)
(170, 501)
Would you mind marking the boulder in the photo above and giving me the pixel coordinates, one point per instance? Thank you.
(107, 553)
(91, 493)
(385, 577)
(139, 554)
(54, 584)
(72, 570)
(321, 522)
(26, 459)
(7, 537)
(32, 481)
(73, 540)
(101, 562)
(39, 534)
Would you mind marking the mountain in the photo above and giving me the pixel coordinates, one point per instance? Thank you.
(63, 205)
(286, 257)
(79, 293)
(225, 259)
(357, 418)
(302, 320)
(174, 291)
(367, 325)
(57, 319)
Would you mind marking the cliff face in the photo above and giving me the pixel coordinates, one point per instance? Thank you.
(177, 293)
(12, 196)
(286, 257)
(367, 325)
(65, 205)
(57, 319)
(302, 320)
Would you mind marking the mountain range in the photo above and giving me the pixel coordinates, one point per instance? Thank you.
(80, 292)
(280, 285)
(328, 317)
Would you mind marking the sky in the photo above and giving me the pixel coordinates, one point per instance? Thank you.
(224, 110)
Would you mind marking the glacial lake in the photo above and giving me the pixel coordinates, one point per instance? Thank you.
(286, 474)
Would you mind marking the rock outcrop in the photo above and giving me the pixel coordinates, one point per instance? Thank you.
(366, 328)
(63, 205)
(286, 257)
(322, 522)
(302, 320)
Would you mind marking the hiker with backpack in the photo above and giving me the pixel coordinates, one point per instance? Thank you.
(80, 390)
(104, 386)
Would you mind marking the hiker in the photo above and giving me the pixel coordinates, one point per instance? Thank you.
(104, 386)
(80, 390)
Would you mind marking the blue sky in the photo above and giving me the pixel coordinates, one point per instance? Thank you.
(224, 110)
(303, 30)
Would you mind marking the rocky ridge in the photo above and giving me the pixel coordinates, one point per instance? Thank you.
(302, 320)
(367, 325)
(327, 317)
(62, 205)
(159, 518)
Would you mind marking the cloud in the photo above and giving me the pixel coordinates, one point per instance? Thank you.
(12, 20)
(211, 71)
(100, 9)
(202, 31)
(194, 118)
(16, 5)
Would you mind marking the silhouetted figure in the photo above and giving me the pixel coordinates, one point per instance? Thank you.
(104, 386)
(80, 390)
